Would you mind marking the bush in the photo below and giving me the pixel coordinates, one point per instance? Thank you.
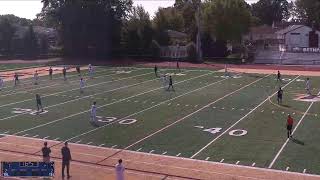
(155, 49)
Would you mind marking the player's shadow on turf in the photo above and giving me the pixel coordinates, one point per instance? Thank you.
(285, 105)
(297, 141)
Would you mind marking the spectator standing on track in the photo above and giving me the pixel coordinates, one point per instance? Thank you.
(36, 78)
(64, 72)
(170, 83)
(280, 93)
(120, 170)
(16, 78)
(156, 70)
(279, 76)
(46, 153)
(308, 86)
(1, 83)
(78, 70)
(289, 126)
(93, 112)
(50, 73)
(66, 158)
(39, 104)
(81, 85)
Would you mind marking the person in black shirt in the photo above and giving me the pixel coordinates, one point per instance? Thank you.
(16, 78)
(170, 83)
(39, 104)
(280, 92)
(78, 70)
(50, 72)
(46, 153)
(66, 158)
(279, 76)
(156, 70)
(64, 72)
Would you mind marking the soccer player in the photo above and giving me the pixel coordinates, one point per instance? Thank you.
(93, 112)
(289, 126)
(50, 73)
(170, 83)
(156, 70)
(46, 153)
(279, 76)
(36, 78)
(64, 72)
(308, 86)
(280, 92)
(16, 78)
(39, 104)
(90, 69)
(119, 170)
(81, 85)
(1, 83)
(78, 70)
(178, 67)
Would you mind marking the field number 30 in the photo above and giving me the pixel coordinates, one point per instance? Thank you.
(236, 132)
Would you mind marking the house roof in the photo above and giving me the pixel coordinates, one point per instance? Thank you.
(289, 29)
(264, 29)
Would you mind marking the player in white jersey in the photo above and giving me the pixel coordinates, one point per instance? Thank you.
(36, 78)
(81, 85)
(90, 69)
(308, 86)
(93, 112)
(1, 83)
(164, 81)
(120, 170)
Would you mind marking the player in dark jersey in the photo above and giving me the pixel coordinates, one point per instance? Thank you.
(64, 72)
(170, 83)
(279, 76)
(16, 78)
(279, 97)
(178, 66)
(39, 104)
(50, 73)
(289, 126)
(78, 70)
(156, 70)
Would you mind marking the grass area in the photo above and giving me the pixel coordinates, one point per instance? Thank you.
(6, 67)
(208, 116)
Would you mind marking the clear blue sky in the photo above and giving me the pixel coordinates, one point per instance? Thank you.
(29, 8)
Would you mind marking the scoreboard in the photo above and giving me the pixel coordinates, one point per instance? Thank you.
(27, 169)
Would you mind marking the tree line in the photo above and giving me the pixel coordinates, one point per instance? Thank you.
(107, 28)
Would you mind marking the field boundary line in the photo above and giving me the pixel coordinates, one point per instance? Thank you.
(97, 84)
(22, 68)
(82, 112)
(181, 119)
(286, 142)
(227, 130)
(56, 84)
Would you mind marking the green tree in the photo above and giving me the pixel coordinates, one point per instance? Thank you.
(269, 11)
(30, 43)
(307, 11)
(226, 20)
(7, 31)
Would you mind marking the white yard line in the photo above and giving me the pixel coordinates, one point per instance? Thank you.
(227, 130)
(61, 119)
(202, 108)
(286, 142)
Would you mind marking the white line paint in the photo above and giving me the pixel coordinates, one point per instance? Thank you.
(221, 160)
(227, 130)
(61, 119)
(46, 137)
(139, 149)
(114, 146)
(294, 130)
(78, 141)
(151, 151)
(253, 164)
(101, 145)
(164, 153)
(89, 143)
(207, 158)
(287, 169)
(25, 135)
(304, 171)
(56, 139)
(35, 135)
(6, 132)
(237, 162)
(178, 155)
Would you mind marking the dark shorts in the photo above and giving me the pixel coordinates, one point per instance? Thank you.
(289, 127)
(279, 97)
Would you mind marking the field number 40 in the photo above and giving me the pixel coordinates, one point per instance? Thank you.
(236, 132)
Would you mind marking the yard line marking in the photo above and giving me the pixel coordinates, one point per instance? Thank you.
(262, 110)
(82, 112)
(253, 164)
(139, 149)
(164, 153)
(287, 169)
(6, 132)
(286, 142)
(151, 151)
(304, 171)
(201, 127)
(55, 139)
(178, 155)
(169, 104)
(114, 146)
(26, 100)
(35, 135)
(123, 87)
(25, 135)
(46, 137)
(227, 130)
(221, 160)
(101, 145)
(89, 143)
(207, 158)
(237, 162)
(78, 141)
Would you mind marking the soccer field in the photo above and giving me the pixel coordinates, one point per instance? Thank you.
(208, 116)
